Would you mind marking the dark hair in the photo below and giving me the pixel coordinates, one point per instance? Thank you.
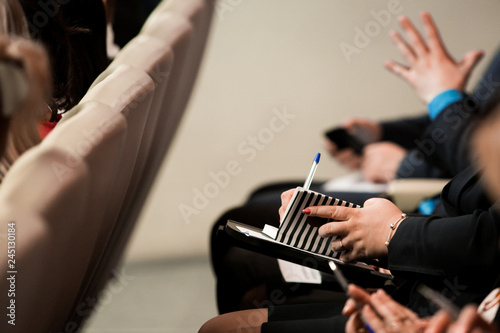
(74, 35)
(87, 19)
(4, 131)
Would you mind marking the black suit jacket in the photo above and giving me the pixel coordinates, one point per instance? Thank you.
(459, 243)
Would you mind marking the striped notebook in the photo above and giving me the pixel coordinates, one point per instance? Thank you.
(297, 230)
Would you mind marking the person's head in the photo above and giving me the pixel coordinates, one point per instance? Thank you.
(75, 39)
(12, 19)
(25, 89)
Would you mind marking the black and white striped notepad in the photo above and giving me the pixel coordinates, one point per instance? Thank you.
(295, 229)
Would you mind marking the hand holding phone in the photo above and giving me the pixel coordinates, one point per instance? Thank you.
(342, 139)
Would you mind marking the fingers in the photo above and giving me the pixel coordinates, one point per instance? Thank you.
(348, 257)
(389, 309)
(398, 69)
(355, 324)
(331, 147)
(337, 245)
(416, 40)
(286, 196)
(285, 199)
(334, 229)
(432, 34)
(470, 60)
(376, 324)
(381, 161)
(470, 320)
(350, 123)
(438, 323)
(339, 213)
(349, 307)
(348, 158)
(403, 47)
(358, 294)
(355, 123)
(366, 130)
(384, 314)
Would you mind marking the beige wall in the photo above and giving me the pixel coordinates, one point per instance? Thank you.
(268, 56)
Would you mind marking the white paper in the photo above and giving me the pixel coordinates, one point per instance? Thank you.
(294, 273)
(270, 231)
(252, 233)
(353, 182)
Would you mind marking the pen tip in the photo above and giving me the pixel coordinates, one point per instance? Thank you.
(316, 159)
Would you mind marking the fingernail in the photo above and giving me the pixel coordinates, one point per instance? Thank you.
(306, 211)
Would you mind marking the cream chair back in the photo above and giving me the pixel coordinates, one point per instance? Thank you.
(45, 241)
(175, 31)
(128, 91)
(157, 63)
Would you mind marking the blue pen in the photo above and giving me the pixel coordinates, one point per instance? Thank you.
(310, 176)
(345, 285)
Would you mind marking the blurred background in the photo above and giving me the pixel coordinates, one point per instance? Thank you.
(304, 65)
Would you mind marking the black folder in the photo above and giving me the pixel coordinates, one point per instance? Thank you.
(362, 274)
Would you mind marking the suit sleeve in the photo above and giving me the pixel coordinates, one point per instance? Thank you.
(405, 131)
(446, 245)
(415, 165)
(425, 142)
(463, 236)
(445, 143)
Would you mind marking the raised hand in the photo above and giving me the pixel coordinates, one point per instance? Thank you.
(430, 70)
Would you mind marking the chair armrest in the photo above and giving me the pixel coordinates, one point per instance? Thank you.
(408, 193)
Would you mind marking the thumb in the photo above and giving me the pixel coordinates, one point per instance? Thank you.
(470, 60)
(350, 124)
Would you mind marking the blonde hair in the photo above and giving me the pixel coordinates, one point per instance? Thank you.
(24, 105)
(12, 19)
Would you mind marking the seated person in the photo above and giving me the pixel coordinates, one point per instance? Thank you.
(75, 39)
(454, 251)
(69, 36)
(383, 314)
(25, 86)
(25, 92)
(243, 277)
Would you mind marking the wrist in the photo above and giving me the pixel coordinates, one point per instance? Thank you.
(393, 228)
(442, 100)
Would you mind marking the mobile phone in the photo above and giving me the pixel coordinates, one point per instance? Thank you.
(342, 139)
